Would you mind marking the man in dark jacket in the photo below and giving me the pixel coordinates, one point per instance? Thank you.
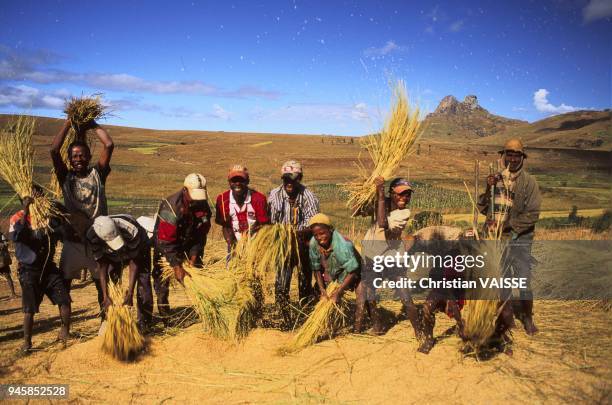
(38, 274)
(181, 228)
(117, 241)
(511, 203)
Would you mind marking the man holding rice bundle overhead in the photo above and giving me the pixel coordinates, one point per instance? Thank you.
(391, 215)
(294, 204)
(83, 189)
(38, 274)
(511, 203)
(334, 258)
(181, 230)
(117, 241)
(240, 209)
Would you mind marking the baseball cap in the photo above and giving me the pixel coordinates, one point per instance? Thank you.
(399, 185)
(106, 230)
(238, 171)
(195, 184)
(292, 169)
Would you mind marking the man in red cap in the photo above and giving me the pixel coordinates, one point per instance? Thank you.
(240, 209)
(181, 229)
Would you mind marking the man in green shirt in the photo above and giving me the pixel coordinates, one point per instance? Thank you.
(334, 258)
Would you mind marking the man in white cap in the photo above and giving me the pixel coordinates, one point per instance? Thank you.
(292, 203)
(117, 241)
(181, 229)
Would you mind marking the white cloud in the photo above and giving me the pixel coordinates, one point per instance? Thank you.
(27, 97)
(33, 66)
(456, 26)
(219, 112)
(540, 101)
(597, 9)
(387, 48)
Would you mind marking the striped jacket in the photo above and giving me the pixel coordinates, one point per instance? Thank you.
(305, 206)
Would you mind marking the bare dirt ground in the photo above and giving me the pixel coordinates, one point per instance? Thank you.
(568, 361)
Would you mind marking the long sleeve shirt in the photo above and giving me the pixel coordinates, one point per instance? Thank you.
(34, 249)
(298, 213)
(180, 230)
(524, 211)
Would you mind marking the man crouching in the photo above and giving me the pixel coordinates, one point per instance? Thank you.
(334, 258)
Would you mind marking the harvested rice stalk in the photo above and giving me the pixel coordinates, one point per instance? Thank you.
(483, 306)
(80, 111)
(326, 318)
(387, 150)
(83, 110)
(271, 248)
(17, 168)
(122, 339)
(223, 304)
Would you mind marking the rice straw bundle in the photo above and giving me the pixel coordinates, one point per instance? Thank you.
(222, 303)
(271, 248)
(326, 318)
(387, 150)
(482, 306)
(80, 111)
(121, 339)
(17, 168)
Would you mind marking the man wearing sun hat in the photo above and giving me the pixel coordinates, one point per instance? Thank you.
(181, 229)
(240, 209)
(293, 203)
(117, 241)
(512, 203)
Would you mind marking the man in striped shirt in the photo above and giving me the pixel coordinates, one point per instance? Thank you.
(292, 203)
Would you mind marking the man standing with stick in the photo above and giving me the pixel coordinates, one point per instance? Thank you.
(511, 203)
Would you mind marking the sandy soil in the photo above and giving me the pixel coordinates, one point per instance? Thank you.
(568, 361)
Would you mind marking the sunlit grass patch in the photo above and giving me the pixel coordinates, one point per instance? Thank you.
(257, 145)
(149, 148)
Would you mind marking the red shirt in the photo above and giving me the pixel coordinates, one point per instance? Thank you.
(253, 211)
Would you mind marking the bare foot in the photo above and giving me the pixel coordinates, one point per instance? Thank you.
(426, 346)
(26, 348)
(530, 327)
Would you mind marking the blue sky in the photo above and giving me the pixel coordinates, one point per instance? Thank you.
(302, 67)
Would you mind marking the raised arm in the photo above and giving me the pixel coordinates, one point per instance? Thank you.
(56, 155)
(107, 146)
(381, 215)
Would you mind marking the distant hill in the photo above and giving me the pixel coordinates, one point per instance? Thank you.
(574, 130)
(454, 120)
